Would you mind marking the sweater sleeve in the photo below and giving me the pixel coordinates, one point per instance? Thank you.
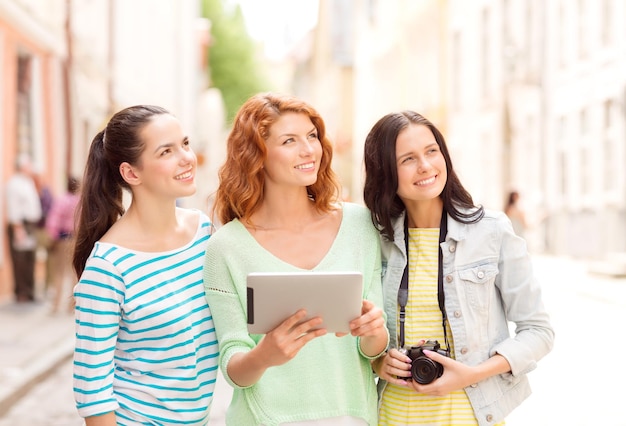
(372, 265)
(226, 298)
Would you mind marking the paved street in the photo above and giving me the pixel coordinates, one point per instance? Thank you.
(575, 385)
(580, 382)
(51, 403)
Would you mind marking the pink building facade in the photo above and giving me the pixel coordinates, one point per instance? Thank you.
(33, 105)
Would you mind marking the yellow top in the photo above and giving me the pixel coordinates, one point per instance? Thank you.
(404, 406)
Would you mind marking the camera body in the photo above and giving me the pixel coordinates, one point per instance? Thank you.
(423, 369)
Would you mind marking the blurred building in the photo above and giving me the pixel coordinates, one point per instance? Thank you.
(529, 94)
(33, 95)
(536, 102)
(67, 65)
(585, 126)
(361, 63)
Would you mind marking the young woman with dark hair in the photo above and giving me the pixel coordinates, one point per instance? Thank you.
(454, 276)
(146, 351)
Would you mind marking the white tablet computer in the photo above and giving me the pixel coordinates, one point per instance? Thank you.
(334, 296)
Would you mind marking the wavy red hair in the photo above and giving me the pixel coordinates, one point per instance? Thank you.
(242, 178)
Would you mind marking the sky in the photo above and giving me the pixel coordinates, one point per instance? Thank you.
(279, 24)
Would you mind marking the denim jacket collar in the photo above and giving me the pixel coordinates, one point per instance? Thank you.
(457, 231)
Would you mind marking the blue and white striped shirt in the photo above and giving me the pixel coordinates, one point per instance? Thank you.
(145, 342)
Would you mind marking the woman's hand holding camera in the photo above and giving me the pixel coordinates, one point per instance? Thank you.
(393, 367)
(456, 375)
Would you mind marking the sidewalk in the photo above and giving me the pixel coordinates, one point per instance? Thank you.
(32, 344)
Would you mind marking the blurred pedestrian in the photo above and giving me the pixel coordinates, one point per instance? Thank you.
(60, 228)
(23, 212)
(278, 199)
(456, 275)
(44, 242)
(146, 351)
(514, 211)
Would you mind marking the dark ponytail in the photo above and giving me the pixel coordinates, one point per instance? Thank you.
(100, 203)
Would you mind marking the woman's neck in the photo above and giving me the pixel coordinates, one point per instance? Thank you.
(285, 209)
(425, 214)
(153, 219)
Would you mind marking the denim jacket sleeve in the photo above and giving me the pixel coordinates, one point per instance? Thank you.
(522, 303)
(490, 285)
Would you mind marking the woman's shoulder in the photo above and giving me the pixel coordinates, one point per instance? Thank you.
(358, 216)
(231, 231)
(105, 257)
(195, 218)
(493, 215)
(488, 214)
(492, 221)
(354, 210)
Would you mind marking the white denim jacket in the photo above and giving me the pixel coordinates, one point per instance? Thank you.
(488, 283)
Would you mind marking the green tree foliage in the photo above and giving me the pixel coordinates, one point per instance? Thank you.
(232, 62)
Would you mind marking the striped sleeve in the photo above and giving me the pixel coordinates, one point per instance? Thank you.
(99, 295)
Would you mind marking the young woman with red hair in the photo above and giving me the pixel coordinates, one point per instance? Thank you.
(279, 200)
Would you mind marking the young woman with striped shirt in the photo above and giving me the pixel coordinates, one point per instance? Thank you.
(146, 350)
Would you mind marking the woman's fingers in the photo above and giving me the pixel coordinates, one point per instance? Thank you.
(370, 322)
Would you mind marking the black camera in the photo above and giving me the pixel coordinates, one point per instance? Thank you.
(423, 369)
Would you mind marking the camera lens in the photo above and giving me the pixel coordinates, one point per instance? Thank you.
(424, 370)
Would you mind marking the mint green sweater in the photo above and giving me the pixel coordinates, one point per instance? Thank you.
(330, 376)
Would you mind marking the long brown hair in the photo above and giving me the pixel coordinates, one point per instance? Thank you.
(380, 191)
(242, 179)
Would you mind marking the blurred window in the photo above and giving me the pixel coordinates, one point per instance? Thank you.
(586, 163)
(485, 54)
(24, 103)
(611, 154)
(606, 24)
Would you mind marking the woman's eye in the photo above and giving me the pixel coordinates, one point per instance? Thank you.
(313, 136)
(288, 141)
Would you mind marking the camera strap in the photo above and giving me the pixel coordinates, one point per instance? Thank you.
(403, 292)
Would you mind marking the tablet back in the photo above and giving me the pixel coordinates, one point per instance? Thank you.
(272, 297)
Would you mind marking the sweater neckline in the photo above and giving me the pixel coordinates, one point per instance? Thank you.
(275, 258)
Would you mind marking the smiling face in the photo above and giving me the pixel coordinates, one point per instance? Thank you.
(421, 166)
(294, 151)
(167, 165)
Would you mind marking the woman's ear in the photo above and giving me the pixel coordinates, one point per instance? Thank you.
(128, 174)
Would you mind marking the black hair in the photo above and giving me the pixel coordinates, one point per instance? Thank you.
(381, 174)
(73, 185)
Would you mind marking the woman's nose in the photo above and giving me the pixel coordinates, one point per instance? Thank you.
(187, 156)
(307, 148)
(423, 165)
